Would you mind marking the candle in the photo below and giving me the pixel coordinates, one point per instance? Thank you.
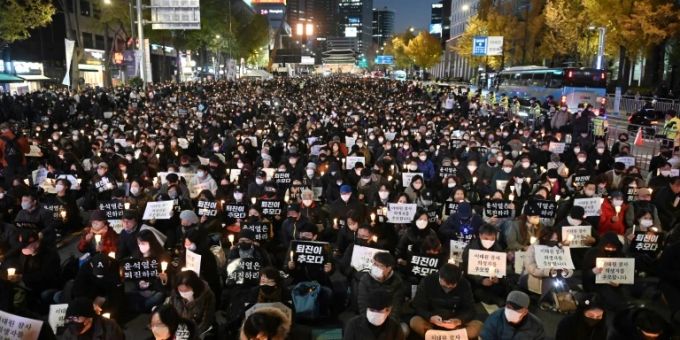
(292, 255)
(570, 238)
(389, 178)
(11, 271)
(597, 162)
(372, 217)
(557, 197)
(600, 264)
(112, 255)
(184, 269)
(124, 176)
(474, 180)
(452, 260)
(511, 197)
(374, 239)
(231, 238)
(532, 240)
(158, 156)
(492, 271)
(335, 222)
(222, 203)
(97, 238)
(618, 210)
(384, 211)
(164, 266)
(27, 182)
(106, 315)
(62, 214)
(253, 200)
(127, 205)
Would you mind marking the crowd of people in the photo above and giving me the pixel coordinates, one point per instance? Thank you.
(263, 209)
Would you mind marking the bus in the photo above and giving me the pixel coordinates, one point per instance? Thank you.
(570, 85)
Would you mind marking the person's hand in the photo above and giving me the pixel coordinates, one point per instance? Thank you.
(615, 218)
(204, 218)
(630, 237)
(613, 284)
(16, 278)
(97, 309)
(163, 277)
(565, 272)
(327, 268)
(143, 285)
(436, 320)
(487, 282)
(553, 272)
(493, 220)
(511, 206)
(597, 270)
(451, 323)
(402, 262)
(566, 242)
(589, 240)
(89, 236)
(291, 264)
(157, 185)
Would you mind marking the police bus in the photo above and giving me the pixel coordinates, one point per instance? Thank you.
(568, 85)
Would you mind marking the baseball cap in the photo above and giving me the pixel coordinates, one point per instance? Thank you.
(517, 299)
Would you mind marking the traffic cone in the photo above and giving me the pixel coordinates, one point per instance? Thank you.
(638, 137)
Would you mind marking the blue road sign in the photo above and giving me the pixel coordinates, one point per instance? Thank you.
(479, 46)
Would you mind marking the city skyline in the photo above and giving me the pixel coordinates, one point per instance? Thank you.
(408, 13)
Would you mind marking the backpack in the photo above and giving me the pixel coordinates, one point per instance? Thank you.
(306, 300)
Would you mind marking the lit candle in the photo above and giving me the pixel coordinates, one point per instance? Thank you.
(570, 238)
(158, 156)
(106, 315)
(124, 176)
(292, 255)
(452, 260)
(474, 180)
(164, 266)
(389, 178)
(618, 210)
(557, 197)
(112, 255)
(374, 239)
(231, 238)
(97, 238)
(27, 182)
(222, 203)
(372, 217)
(335, 222)
(62, 214)
(511, 197)
(492, 271)
(384, 211)
(127, 205)
(532, 240)
(597, 162)
(253, 200)
(11, 271)
(600, 264)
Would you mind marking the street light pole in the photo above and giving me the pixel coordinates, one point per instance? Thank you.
(142, 47)
(600, 48)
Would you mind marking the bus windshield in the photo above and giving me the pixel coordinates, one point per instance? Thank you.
(584, 78)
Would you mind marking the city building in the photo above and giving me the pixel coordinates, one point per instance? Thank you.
(440, 22)
(383, 26)
(356, 21)
(453, 65)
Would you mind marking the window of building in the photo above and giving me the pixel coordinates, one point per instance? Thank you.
(96, 11)
(85, 8)
(99, 42)
(87, 40)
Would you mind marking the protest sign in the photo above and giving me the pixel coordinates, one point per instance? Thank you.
(203, 160)
(501, 185)
(75, 183)
(235, 210)
(308, 253)
(113, 209)
(646, 242)
(553, 257)
(401, 213)
(590, 205)
(104, 184)
(546, 209)
(34, 151)
(497, 208)
(271, 207)
(556, 147)
(140, 269)
(627, 160)
(631, 194)
(247, 272)
(362, 257)
(407, 177)
(161, 210)
(193, 262)
(576, 235)
(486, 263)
(450, 208)
(456, 249)
(519, 261)
(58, 211)
(16, 327)
(422, 266)
(260, 229)
(615, 270)
(234, 174)
(56, 316)
(578, 180)
(445, 171)
(282, 178)
(456, 334)
(206, 208)
(350, 161)
(350, 141)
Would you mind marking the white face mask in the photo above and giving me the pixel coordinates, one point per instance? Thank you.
(422, 158)
(526, 165)
(376, 319)
(421, 224)
(507, 170)
(307, 203)
(59, 187)
(310, 172)
(646, 223)
(144, 248)
(512, 316)
(383, 194)
(487, 244)
(573, 221)
(238, 196)
(345, 197)
(582, 159)
(451, 185)
(413, 167)
(200, 174)
(472, 168)
(376, 272)
(666, 173)
(134, 190)
(617, 203)
(189, 296)
(259, 181)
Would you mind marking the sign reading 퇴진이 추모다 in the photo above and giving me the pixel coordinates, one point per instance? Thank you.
(483, 262)
(309, 253)
(401, 213)
(206, 208)
(422, 266)
(576, 235)
(553, 257)
(615, 270)
(235, 210)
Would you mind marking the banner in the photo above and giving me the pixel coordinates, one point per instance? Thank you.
(401, 213)
(451, 208)
(576, 235)
(445, 171)
(553, 257)
(422, 266)
(615, 270)
(161, 210)
(590, 205)
(407, 177)
(69, 45)
(646, 243)
(193, 262)
(362, 257)
(16, 327)
(487, 263)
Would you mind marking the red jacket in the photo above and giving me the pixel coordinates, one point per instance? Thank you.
(109, 242)
(606, 214)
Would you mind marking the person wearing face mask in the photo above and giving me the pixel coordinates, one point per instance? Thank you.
(514, 321)
(382, 276)
(82, 322)
(33, 216)
(444, 300)
(612, 214)
(142, 295)
(166, 324)
(411, 241)
(101, 184)
(203, 181)
(37, 267)
(378, 322)
(588, 322)
(614, 296)
(561, 118)
(137, 195)
(503, 175)
(199, 243)
(98, 280)
(66, 212)
(425, 166)
(414, 190)
(181, 190)
(667, 200)
(490, 290)
(461, 226)
(193, 300)
(256, 188)
(661, 177)
(247, 248)
(99, 225)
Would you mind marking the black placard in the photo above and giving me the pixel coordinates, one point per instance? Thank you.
(206, 208)
(271, 207)
(260, 229)
(136, 269)
(497, 208)
(422, 266)
(236, 211)
(112, 209)
(547, 209)
(310, 253)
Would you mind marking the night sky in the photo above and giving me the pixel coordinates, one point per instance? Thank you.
(408, 13)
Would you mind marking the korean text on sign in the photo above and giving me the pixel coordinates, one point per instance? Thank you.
(483, 262)
(553, 257)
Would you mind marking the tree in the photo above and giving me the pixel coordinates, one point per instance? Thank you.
(424, 50)
(397, 48)
(565, 23)
(17, 18)
(496, 24)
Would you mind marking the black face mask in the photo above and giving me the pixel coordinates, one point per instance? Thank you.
(551, 243)
(591, 322)
(76, 327)
(245, 246)
(267, 289)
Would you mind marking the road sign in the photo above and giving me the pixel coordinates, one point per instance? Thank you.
(487, 46)
(479, 46)
(384, 60)
(175, 14)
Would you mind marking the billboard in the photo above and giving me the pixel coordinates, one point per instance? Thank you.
(435, 28)
(175, 15)
(350, 32)
(384, 60)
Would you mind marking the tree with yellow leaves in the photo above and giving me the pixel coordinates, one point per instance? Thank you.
(424, 50)
(397, 47)
(495, 24)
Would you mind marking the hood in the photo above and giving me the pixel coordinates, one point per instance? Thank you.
(284, 328)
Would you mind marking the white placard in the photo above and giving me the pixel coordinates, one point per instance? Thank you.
(407, 177)
(34, 151)
(18, 327)
(349, 142)
(578, 234)
(121, 141)
(56, 316)
(590, 205)
(627, 160)
(401, 213)
(362, 257)
(203, 160)
(390, 136)
(234, 174)
(501, 184)
(555, 147)
(353, 160)
(456, 249)
(553, 257)
(481, 262)
(456, 334)
(183, 143)
(270, 173)
(615, 270)
(72, 179)
(519, 261)
(161, 210)
(193, 262)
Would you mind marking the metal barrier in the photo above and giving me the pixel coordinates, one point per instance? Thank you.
(643, 153)
(631, 104)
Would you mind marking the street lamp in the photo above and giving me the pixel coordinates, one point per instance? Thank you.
(465, 7)
(602, 32)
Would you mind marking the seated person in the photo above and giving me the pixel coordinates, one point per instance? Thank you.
(514, 321)
(375, 322)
